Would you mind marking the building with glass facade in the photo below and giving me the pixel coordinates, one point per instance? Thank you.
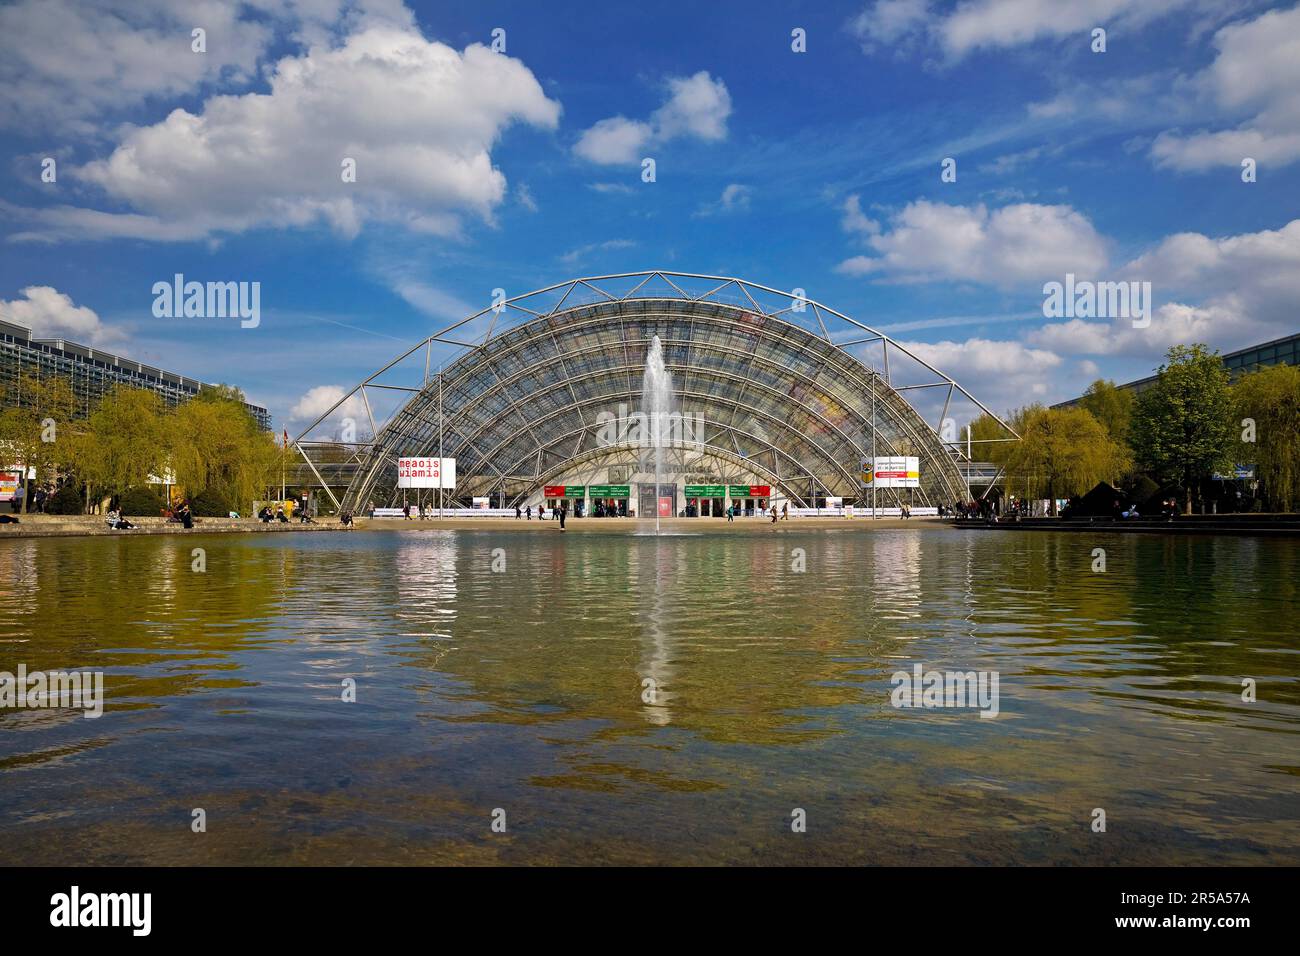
(92, 372)
(538, 395)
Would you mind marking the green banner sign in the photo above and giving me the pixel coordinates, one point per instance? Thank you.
(610, 491)
(706, 491)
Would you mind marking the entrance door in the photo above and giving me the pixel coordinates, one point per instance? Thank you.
(646, 504)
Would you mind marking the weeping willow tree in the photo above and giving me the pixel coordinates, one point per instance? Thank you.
(1267, 406)
(1062, 452)
(122, 444)
(219, 454)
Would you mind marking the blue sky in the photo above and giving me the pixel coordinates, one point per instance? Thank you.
(820, 170)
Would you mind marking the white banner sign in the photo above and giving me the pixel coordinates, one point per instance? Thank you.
(893, 472)
(426, 472)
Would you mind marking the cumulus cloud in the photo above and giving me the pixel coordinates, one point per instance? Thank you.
(930, 241)
(319, 400)
(63, 63)
(614, 140)
(1254, 77)
(1237, 290)
(1003, 375)
(697, 107)
(50, 314)
(418, 118)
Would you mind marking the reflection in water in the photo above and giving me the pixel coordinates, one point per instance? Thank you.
(521, 688)
(656, 567)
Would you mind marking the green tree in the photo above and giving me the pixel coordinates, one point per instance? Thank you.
(1267, 406)
(37, 430)
(1062, 452)
(1182, 425)
(1111, 406)
(123, 443)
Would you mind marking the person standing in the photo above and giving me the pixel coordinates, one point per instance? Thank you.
(16, 503)
(529, 512)
(563, 511)
(518, 512)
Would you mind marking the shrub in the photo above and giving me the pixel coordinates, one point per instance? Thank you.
(212, 503)
(68, 500)
(141, 502)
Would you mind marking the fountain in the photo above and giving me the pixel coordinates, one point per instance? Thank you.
(656, 404)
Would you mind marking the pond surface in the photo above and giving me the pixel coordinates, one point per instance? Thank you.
(631, 700)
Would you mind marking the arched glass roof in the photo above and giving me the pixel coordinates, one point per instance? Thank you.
(784, 389)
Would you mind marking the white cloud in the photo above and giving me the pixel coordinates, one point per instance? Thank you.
(1239, 290)
(1256, 78)
(614, 140)
(735, 198)
(855, 220)
(50, 314)
(886, 22)
(317, 401)
(990, 24)
(418, 117)
(1002, 375)
(1023, 242)
(1172, 324)
(697, 107)
(65, 63)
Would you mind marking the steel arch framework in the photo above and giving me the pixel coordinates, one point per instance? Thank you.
(788, 389)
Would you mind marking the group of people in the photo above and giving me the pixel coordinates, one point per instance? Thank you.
(266, 516)
(558, 512)
(40, 498)
(970, 509)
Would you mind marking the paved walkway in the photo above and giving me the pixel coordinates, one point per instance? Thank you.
(43, 526)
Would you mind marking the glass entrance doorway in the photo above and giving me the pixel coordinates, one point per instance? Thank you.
(649, 504)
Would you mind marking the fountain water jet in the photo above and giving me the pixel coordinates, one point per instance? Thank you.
(656, 404)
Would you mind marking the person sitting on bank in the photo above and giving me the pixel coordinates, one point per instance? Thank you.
(281, 516)
(265, 515)
(184, 515)
(345, 519)
(117, 521)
